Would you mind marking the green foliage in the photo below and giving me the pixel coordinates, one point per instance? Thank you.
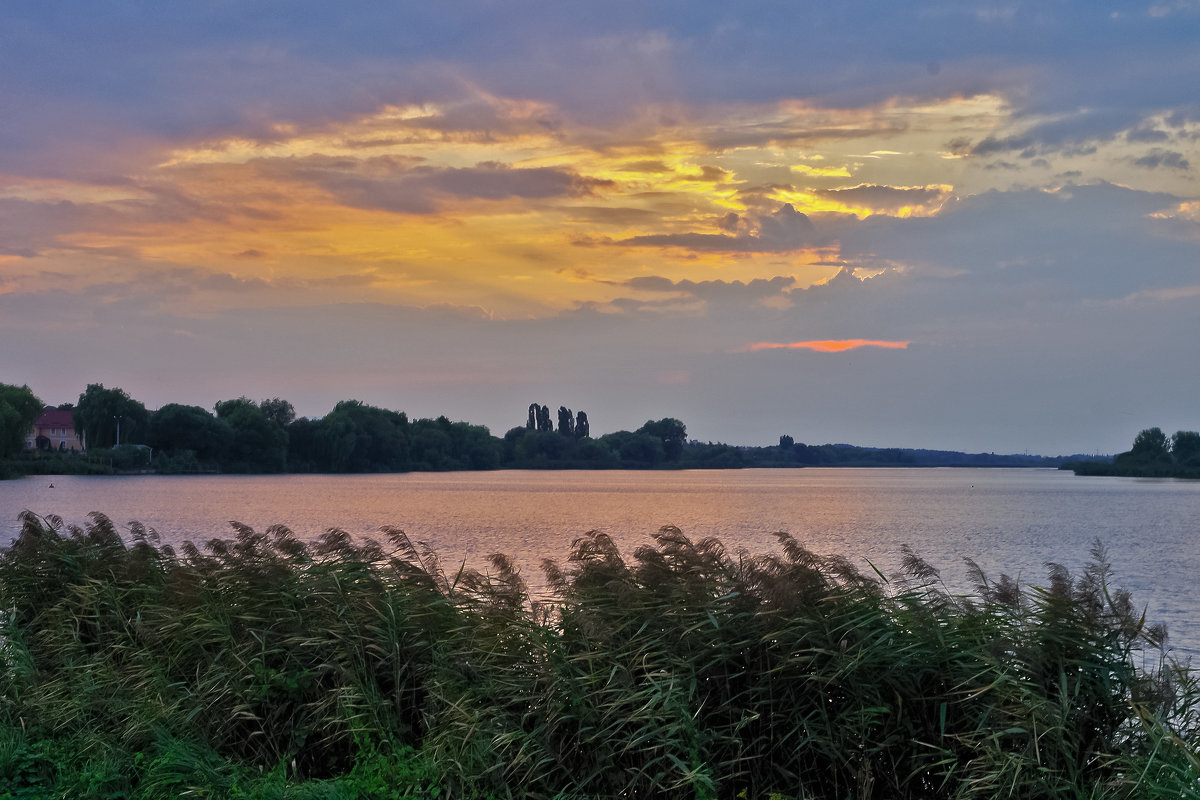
(176, 428)
(257, 442)
(635, 449)
(1153, 455)
(356, 437)
(19, 409)
(442, 444)
(278, 411)
(670, 432)
(58, 463)
(716, 456)
(1151, 446)
(1185, 449)
(262, 666)
(126, 458)
(100, 411)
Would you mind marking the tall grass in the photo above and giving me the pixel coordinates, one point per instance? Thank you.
(261, 666)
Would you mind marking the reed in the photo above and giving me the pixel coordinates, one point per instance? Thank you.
(262, 666)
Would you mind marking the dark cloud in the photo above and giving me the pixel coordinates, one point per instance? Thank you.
(618, 216)
(959, 146)
(29, 228)
(78, 75)
(718, 301)
(1073, 134)
(799, 133)
(713, 174)
(1146, 133)
(493, 181)
(652, 283)
(410, 186)
(785, 229)
(1168, 159)
(1096, 241)
(992, 145)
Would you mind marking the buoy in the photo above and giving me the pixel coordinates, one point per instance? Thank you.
(52, 486)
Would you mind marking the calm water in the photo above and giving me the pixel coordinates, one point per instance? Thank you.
(1007, 520)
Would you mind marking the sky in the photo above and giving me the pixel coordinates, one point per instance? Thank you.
(945, 223)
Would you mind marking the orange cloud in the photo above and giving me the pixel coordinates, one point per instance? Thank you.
(827, 345)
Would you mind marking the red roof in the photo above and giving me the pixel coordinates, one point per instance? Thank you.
(56, 418)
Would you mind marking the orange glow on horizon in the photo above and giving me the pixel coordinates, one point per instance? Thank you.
(828, 345)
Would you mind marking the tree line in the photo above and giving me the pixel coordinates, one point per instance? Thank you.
(1153, 455)
(241, 435)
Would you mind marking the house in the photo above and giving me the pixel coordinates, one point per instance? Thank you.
(54, 430)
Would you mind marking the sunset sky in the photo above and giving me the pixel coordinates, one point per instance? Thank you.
(962, 225)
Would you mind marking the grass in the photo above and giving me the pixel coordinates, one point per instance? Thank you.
(264, 667)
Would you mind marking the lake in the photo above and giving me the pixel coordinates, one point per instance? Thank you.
(1007, 520)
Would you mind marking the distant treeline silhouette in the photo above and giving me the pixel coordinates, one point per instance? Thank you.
(1153, 455)
(245, 436)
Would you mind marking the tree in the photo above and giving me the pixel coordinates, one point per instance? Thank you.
(566, 421)
(582, 428)
(176, 428)
(19, 409)
(279, 411)
(543, 419)
(539, 447)
(356, 437)
(474, 446)
(1185, 447)
(258, 444)
(671, 432)
(101, 412)
(638, 449)
(1151, 445)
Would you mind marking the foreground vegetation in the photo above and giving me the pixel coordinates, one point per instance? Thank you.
(263, 667)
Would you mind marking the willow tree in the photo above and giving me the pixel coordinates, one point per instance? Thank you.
(19, 409)
(107, 417)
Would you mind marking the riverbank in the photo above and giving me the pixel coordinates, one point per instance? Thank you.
(263, 666)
